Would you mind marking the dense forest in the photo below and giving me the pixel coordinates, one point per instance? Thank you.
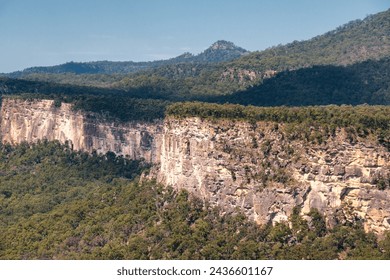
(60, 204)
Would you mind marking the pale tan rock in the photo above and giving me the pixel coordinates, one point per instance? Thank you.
(336, 177)
(30, 121)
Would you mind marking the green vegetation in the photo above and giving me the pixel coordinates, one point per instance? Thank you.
(122, 108)
(59, 204)
(362, 83)
(361, 117)
(50, 90)
(382, 182)
(312, 123)
(341, 46)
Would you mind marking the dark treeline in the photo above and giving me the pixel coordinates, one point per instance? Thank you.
(111, 108)
(51, 90)
(368, 117)
(363, 83)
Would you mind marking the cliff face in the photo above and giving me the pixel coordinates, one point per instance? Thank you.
(29, 121)
(257, 169)
(253, 167)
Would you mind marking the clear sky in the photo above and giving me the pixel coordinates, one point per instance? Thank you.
(50, 32)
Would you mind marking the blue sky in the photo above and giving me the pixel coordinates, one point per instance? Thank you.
(49, 32)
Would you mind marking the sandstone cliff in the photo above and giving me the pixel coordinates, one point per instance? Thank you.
(257, 169)
(25, 120)
(231, 164)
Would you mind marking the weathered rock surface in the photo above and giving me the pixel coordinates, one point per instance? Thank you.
(24, 120)
(257, 169)
(253, 167)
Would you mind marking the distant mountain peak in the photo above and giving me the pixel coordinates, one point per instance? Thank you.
(221, 51)
(224, 45)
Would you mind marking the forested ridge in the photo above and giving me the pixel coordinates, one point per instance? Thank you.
(365, 82)
(356, 41)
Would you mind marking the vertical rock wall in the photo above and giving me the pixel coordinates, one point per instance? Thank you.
(30, 121)
(257, 169)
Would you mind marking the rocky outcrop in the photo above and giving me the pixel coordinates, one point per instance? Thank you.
(255, 167)
(30, 121)
(245, 76)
